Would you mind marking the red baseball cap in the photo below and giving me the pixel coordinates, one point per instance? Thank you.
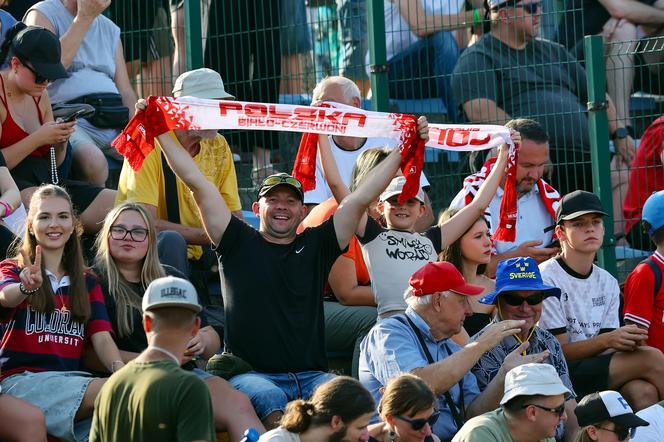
(440, 277)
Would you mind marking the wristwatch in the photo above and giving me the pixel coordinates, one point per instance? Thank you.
(620, 133)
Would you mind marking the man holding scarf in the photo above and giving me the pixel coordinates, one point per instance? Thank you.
(536, 199)
(274, 278)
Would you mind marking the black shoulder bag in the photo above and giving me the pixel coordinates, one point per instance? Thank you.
(458, 412)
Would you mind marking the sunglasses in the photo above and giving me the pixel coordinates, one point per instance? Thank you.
(530, 8)
(558, 411)
(418, 424)
(515, 300)
(283, 179)
(622, 433)
(38, 78)
(137, 235)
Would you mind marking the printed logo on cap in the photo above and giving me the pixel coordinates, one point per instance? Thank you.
(173, 292)
(524, 272)
(615, 404)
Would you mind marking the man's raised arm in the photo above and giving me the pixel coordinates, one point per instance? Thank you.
(214, 211)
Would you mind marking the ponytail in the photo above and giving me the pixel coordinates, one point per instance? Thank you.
(298, 416)
(7, 44)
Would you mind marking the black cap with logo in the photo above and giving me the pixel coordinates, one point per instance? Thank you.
(576, 204)
(40, 47)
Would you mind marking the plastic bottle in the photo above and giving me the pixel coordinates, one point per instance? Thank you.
(251, 435)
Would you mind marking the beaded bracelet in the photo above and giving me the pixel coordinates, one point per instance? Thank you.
(8, 208)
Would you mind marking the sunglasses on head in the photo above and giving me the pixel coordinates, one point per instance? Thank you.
(38, 78)
(558, 411)
(418, 424)
(516, 300)
(622, 433)
(530, 8)
(274, 180)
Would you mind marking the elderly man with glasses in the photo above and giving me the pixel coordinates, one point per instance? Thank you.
(519, 295)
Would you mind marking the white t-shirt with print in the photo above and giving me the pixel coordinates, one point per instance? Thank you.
(586, 305)
(345, 160)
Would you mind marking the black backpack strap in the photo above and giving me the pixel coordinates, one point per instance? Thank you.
(458, 412)
(171, 192)
(657, 272)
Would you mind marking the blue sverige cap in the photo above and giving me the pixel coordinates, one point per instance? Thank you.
(653, 211)
(519, 273)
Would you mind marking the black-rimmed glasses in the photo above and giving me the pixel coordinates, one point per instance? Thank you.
(120, 233)
(622, 433)
(418, 424)
(39, 79)
(558, 411)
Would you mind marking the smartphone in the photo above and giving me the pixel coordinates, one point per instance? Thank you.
(77, 114)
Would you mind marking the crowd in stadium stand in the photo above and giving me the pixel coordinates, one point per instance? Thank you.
(148, 307)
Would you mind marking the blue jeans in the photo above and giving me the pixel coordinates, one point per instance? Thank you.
(270, 392)
(424, 70)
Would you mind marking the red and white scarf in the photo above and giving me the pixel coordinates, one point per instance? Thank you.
(163, 114)
(472, 183)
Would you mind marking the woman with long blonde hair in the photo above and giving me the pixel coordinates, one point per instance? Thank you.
(50, 306)
(127, 262)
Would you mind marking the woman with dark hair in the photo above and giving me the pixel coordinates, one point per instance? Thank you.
(50, 307)
(339, 409)
(407, 410)
(32, 144)
(470, 254)
(127, 262)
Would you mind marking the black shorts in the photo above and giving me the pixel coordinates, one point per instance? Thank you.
(590, 375)
(35, 171)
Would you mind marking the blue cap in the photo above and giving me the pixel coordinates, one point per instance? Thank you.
(653, 211)
(520, 273)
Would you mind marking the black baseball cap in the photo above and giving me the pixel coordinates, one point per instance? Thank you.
(280, 179)
(607, 405)
(576, 204)
(41, 48)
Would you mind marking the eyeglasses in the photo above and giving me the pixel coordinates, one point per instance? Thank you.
(38, 78)
(281, 179)
(120, 233)
(530, 8)
(418, 424)
(516, 301)
(622, 433)
(558, 411)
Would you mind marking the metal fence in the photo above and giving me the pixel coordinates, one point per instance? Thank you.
(420, 60)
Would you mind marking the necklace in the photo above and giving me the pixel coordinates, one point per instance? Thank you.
(54, 166)
(164, 351)
(63, 305)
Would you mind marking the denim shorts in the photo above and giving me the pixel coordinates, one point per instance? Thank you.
(271, 392)
(58, 394)
(295, 34)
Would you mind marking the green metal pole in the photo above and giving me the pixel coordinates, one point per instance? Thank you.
(192, 34)
(378, 56)
(599, 142)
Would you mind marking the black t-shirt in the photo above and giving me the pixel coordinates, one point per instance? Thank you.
(273, 296)
(542, 81)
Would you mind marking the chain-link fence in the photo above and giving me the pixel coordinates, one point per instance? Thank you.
(452, 61)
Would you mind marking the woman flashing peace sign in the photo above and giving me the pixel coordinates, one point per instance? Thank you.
(50, 307)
